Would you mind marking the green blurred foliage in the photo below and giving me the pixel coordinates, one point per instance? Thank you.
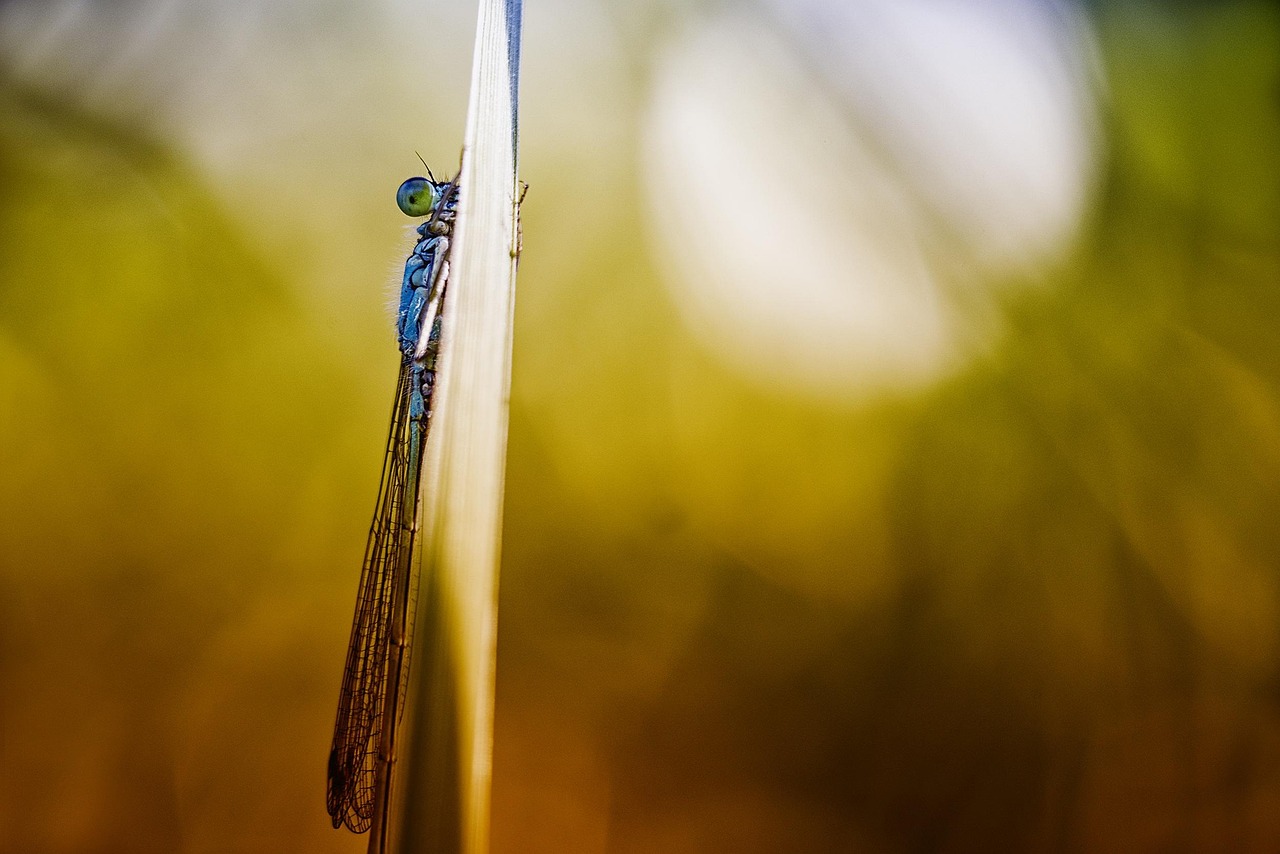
(1034, 609)
(164, 490)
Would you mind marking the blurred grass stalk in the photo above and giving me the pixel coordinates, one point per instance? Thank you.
(444, 802)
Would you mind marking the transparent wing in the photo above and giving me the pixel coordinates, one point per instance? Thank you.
(375, 677)
(383, 597)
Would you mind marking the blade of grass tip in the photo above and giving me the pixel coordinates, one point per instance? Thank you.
(443, 807)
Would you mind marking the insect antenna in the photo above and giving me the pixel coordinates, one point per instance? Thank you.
(428, 168)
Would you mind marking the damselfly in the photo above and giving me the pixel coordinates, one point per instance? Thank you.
(376, 674)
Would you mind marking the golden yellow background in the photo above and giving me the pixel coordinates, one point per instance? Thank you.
(1029, 604)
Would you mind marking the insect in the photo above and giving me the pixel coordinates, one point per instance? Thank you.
(376, 672)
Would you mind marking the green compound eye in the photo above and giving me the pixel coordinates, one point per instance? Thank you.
(417, 197)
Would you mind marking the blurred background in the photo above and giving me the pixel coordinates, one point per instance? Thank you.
(895, 424)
